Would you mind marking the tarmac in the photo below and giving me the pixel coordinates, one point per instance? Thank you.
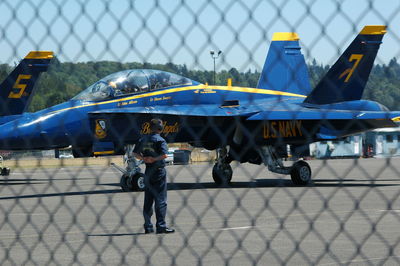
(350, 214)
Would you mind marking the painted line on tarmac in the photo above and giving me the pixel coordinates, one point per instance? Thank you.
(360, 260)
(237, 228)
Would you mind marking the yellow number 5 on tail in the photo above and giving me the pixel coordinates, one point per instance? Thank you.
(20, 87)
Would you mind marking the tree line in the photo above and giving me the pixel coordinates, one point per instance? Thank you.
(64, 80)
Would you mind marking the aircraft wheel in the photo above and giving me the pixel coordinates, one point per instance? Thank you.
(138, 182)
(301, 173)
(5, 171)
(222, 174)
(132, 183)
(125, 184)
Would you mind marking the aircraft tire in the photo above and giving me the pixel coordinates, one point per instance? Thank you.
(222, 174)
(5, 171)
(134, 183)
(138, 182)
(125, 184)
(301, 173)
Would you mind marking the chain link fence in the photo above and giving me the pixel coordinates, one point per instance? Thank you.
(72, 211)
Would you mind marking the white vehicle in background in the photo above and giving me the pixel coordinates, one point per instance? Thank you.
(170, 156)
(66, 156)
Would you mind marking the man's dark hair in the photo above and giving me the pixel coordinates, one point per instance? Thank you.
(156, 125)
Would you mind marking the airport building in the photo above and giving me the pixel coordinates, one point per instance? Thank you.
(383, 142)
(350, 147)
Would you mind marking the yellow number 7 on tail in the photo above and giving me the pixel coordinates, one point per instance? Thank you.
(350, 71)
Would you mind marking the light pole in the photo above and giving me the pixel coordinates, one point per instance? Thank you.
(214, 56)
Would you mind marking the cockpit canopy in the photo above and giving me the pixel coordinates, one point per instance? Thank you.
(131, 82)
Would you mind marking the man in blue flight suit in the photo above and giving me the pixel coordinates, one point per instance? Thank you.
(152, 149)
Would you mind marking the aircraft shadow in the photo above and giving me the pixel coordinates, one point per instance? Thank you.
(264, 183)
(259, 183)
(27, 181)
(111, 235)
(31, 181)
(63, 194)
(357, 180)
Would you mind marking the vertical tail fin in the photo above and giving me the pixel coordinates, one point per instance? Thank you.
(17, 89)
(346, 79)
(285, 68)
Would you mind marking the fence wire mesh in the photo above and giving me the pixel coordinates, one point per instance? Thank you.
(80, 211)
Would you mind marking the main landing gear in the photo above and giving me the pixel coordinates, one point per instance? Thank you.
(132, 178)
(300, 171)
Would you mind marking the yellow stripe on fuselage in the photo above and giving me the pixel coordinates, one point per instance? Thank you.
(190, 88)
(103, 152)
(255, 90)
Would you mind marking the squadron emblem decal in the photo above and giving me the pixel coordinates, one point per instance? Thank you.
(100, 129)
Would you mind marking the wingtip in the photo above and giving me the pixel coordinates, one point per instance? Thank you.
(285, 36)
(373, 30)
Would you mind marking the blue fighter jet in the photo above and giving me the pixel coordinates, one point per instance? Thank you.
(253, 125)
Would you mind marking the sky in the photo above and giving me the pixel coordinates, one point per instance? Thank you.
(184, 31)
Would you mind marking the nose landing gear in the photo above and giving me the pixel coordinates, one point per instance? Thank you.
(222, 171)
(132, 182)
(132, 178)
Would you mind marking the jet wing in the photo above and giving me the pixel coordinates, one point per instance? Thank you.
(183, 123)
(321, 114)
(185, 110)
(188, 123)
(258, 111)
(331, 124)
(227, 109)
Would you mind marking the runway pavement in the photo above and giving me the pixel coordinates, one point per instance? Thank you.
(350, 214)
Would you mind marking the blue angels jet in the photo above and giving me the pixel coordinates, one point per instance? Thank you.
(253, 125)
